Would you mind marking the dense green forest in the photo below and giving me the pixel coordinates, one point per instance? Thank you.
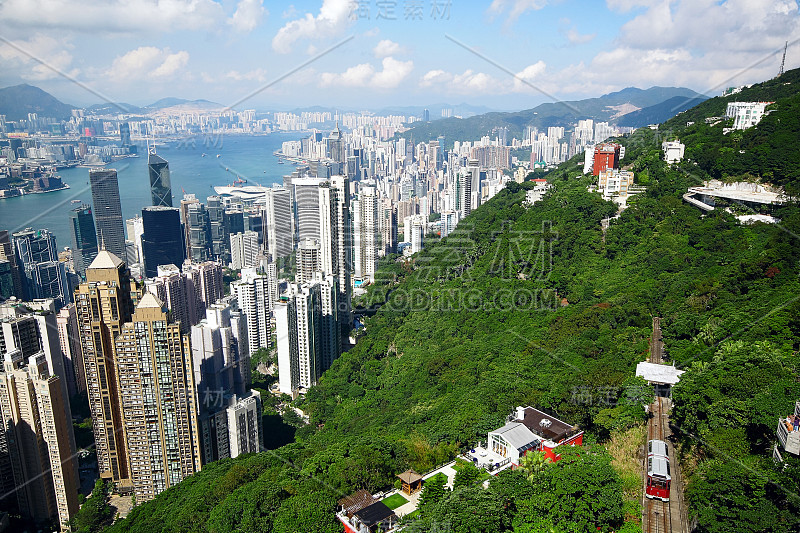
(539, 306)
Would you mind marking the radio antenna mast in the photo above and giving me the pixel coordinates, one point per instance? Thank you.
(783, 61)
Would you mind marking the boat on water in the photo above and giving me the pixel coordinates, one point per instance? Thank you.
(75, 202)
(219, 155)
(202, 155)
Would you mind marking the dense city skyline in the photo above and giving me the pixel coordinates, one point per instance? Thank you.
(224, 51)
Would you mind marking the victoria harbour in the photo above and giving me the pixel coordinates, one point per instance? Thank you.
(194, 168)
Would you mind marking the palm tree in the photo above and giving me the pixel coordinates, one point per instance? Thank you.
(532, 463)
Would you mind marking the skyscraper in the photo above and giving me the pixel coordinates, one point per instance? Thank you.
(244, 250)
(176, 290)
(279, 231)
(162, 240)
(306, 202)
(69, 338)
(104, 303)
(84, 238)
(366, 237)
(198, 232)
(108, 210)
(7, 254)
(308, 260)
(44, 276)
(255, 293)
(220, 243)
(38, 459)
(158, 404)
(160, 183)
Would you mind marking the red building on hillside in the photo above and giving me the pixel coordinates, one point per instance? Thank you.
(606, 156)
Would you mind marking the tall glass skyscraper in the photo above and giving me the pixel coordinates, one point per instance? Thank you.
(108, 210)
(160, 184)
(162, 240)
(44, 276)
(84, 238)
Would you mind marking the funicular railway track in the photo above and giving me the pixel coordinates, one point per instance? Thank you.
(657, 514)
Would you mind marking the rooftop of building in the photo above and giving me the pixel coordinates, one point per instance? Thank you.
(547, 426)
(106, 259)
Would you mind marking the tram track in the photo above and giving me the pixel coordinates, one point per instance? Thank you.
(657, 513)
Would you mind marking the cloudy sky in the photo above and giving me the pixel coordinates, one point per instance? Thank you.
(504, 54)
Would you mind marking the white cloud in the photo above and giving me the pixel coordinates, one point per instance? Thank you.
(365, 75)
(468, 82)
(289, 12)
(147, 61)
(53, 55)
(387, 48)
(515, 7)
(109, 16)
(529, 74)
(333, 18)
(574, 37)
(258, 74)
(248, 15)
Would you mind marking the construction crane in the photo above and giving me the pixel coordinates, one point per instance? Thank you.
(783, 61)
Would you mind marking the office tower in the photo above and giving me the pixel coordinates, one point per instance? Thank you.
(206, 278)
(244, 250)
(162, 240)
(124, 134)
(176, 290)
(234, 222)
(69, 339)
(306, 207)
(278, 223)
(337, 148)
(160, 183)
(255, 297)
(37, 444)
(84, 238)
(308, 260)
(6, 279)
(8, 255)
(366, 238)
(43, 275)
(159, 409)
(104, 302)
(217, 230)
(134, 228)
(198, 231)
(107, 210)
(254, 221)
(188, 199)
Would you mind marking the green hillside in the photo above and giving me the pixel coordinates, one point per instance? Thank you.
(537, 306)
(560, 114)
(19, 100)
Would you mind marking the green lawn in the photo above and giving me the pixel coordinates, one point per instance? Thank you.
(394, 501)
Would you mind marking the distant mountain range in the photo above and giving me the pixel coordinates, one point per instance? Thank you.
(629, 107)
(17, 101)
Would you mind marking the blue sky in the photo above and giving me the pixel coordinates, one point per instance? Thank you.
(396, 52)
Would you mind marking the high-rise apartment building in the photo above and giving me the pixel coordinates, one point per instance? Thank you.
(220, 243)
(108, 210)
(158, 404)
(207, 280)
(255, 294)
(38, 459)
(308, 332)
(104, 302)
(198, 232)
(162, 240)
(308, 260)
(176, 290)
(306, 207)
(366, 235)
(160, 183)
(84, 238)
(69, 339)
